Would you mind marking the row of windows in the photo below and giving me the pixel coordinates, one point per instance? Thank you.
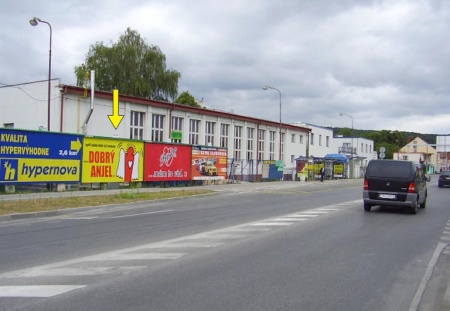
(157, 134)
(327, 140)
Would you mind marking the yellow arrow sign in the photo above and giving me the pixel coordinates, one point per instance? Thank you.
(115, 118)
(75, 145)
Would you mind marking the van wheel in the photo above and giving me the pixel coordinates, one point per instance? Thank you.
(424, 204)
(414, 208)
(367, 207)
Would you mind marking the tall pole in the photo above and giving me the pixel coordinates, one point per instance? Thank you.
(351, 151)
(279, 92)
(34, 22)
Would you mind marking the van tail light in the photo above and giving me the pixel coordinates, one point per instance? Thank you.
(412, 188)
(366, 184)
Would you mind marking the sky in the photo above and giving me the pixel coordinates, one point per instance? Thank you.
(383, 64)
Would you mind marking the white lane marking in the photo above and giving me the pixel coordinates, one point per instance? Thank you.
(290, 219)
(426, 277)
(272, 224)
(133, 215)
(315, 212)
(79, 271)
(327, 209)
(36, 290)
(301, 216)
(250, 230)
(221, 235)
(446, 238)
(186, 245)
(140, 256)
(307, 215)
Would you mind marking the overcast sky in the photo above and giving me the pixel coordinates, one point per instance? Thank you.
(383, 63)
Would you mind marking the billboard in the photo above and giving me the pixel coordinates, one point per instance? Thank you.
(209, 163)
(167, 162)
(112, 160)
(39, 157)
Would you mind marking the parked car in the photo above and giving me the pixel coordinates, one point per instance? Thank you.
(444, 179)
(395, 183)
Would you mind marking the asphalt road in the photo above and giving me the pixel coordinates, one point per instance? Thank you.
(280, 246)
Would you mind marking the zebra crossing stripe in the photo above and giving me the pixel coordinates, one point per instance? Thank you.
(272, 224)
(77, 271)
(290, 219)
(41, 291)
(140, 256)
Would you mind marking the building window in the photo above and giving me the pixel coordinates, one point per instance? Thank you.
(301, 139)
(209, 133)
(237, 141)
(177, 125)
(362, 147)
(261, 140)
(320, 140)
(327, 141)
(250, 142)
(293, 138)
(157, 127)
(194, 130)
(312, 139)
(224, 133)
(271, 145)
(137, 125)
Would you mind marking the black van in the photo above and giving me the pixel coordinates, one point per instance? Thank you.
(395, 183)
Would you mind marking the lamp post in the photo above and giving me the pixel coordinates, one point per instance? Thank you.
(265, 88)
(34, 22)
(351, 151)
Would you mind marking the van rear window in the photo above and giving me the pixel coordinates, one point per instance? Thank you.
(397, 169)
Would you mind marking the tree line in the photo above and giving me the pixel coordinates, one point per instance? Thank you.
(391, 140)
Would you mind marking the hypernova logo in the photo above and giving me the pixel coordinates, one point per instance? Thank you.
(8, 170)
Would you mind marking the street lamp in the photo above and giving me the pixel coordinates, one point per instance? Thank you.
(34, 22)
(351, 152)
(265, 88)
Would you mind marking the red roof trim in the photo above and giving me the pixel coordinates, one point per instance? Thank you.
(175, 106)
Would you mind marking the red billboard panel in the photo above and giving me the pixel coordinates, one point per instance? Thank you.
(209, 163)
(167, 162)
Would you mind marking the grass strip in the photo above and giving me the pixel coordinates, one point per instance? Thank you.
(51, 204)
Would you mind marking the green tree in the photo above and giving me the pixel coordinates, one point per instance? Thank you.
(130, 66)
(186, 98)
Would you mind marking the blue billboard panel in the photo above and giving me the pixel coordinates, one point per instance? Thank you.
(27, 156)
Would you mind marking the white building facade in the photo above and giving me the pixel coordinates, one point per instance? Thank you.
(250, 142)
(359, 151)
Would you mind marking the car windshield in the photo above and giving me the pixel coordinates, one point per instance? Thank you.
(445, 173)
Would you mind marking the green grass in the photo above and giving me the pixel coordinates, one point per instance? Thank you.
(51, 204)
